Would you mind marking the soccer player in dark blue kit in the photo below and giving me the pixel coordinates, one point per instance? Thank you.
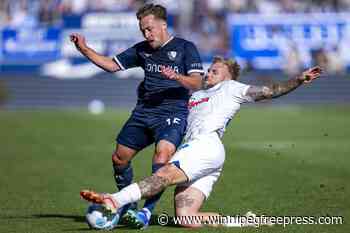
(161, 111)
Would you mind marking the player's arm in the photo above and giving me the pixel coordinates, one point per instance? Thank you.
(192, 81)
(278, 89)
(106, 63)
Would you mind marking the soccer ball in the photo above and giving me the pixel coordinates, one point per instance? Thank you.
(98, 217)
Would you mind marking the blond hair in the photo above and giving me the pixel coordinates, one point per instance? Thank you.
(232, 66)
(158, 11)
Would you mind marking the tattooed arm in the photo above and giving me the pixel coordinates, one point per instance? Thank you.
(276, 90)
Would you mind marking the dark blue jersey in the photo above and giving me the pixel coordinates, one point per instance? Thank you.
(156, 90)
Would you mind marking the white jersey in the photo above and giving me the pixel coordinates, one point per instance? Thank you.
(212, 109)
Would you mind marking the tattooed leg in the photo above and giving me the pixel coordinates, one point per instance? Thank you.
(188, 201)
(164, 177)
(152, 185)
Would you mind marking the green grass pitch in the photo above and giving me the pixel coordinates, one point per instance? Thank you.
(291, 161)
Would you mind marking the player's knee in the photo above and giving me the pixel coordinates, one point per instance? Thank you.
(161, 158)
(118, 160)
(122, 155)
(163, 155)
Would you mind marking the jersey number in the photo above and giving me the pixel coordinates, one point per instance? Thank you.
(174, 121)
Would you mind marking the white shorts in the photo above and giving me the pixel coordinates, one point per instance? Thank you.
(201, 159)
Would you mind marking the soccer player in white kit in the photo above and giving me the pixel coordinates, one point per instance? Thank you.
(198, 162)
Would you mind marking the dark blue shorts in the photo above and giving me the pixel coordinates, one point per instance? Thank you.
(143, 129)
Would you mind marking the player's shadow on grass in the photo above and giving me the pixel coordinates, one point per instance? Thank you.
(81, 219)
(76, 218)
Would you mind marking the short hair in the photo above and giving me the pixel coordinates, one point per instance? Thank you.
(150, 9)
(232, 66)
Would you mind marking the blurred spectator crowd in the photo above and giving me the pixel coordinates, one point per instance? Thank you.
(32, 12)
(201, 21)
(50, 12)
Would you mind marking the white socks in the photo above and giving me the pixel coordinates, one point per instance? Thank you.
(129, 194)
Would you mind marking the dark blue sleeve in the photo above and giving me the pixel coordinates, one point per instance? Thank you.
(193, 62)
(127, 59)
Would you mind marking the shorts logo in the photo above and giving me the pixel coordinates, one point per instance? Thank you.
(172, 55)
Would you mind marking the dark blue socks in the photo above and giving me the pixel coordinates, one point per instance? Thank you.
(123, 177)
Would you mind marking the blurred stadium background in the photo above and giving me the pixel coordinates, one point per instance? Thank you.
(289, 160)
(271, 39)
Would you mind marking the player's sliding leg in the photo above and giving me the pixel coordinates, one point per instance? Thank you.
(123, 172)
(146, 188)
(140, 219)
(208, 160)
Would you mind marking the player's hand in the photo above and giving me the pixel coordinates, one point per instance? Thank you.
(169, 73)
(311, 74)
(78, 40)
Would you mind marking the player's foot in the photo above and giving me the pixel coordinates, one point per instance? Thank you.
(100, 198)
(138, 219)
(125, 208)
